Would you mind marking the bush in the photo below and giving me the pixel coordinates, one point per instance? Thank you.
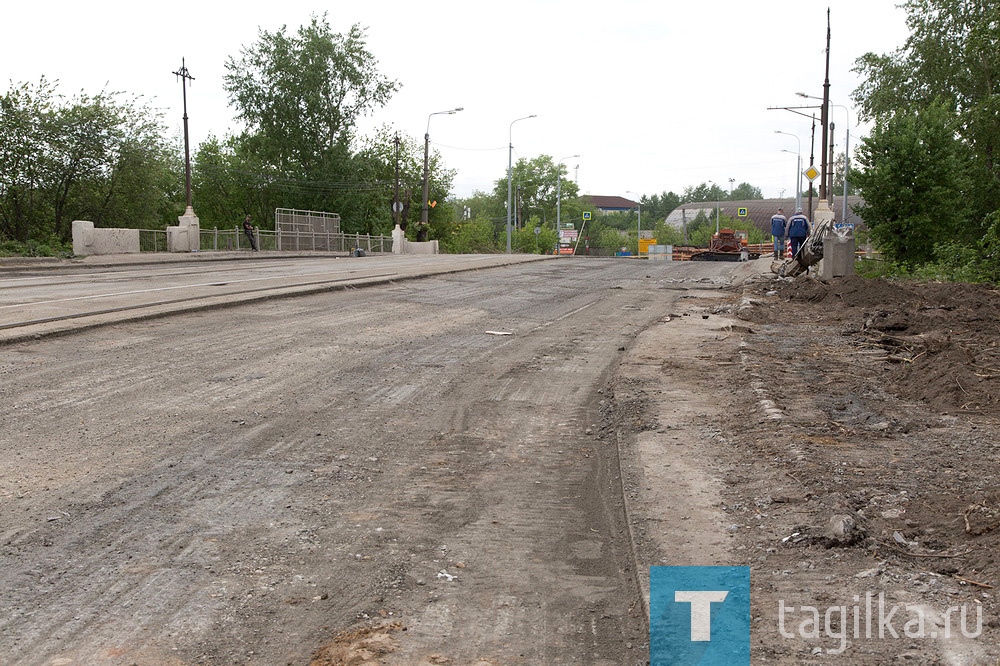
(471, 237)
(34, 248)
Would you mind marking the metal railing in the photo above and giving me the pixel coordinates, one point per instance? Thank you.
(152, 240)
(297, 241)
(233, 240)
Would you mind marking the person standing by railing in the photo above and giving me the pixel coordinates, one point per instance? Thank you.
(248, 229)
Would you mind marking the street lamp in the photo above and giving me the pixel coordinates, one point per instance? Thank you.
(847, 150)
(798, 172)
(510, 166)
(638, 227)
(558, 187)
(427, 147)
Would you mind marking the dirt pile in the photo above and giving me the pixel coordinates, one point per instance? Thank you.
(942, 341)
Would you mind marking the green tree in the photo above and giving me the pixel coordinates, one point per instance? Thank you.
(101, 158)
(916, 183)
(745, 192)
(533, 184)
(300, 95)
(838, 177)
(25, 113)
(951, 59)
(474, 236)
(704, 192)
(660, 205)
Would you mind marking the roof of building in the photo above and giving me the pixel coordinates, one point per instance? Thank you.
(759, 211)
(610, 202)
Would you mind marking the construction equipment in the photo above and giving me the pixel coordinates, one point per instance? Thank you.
(726, 245)
(810, 253)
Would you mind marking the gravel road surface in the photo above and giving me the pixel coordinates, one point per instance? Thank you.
(368, 471)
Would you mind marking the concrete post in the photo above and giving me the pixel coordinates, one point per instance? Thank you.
(186, 236)
(398, 240)
(839, 247)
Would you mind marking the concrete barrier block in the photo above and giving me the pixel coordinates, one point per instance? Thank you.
(83, 237)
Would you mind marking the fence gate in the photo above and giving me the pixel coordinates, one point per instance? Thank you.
(306, 229)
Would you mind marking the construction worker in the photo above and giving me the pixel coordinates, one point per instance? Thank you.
(798, 230)
(778, 228)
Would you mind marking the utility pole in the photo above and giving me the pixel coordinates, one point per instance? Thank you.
(184, 75)
(825, 114)
(426, 178)
(829, 188)
(396, 205)
(812, 158)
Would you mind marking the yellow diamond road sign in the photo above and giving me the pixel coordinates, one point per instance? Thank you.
(811, 173)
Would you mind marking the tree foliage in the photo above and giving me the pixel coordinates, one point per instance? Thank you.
(99, 157)
(930, 172)
(533, 185)
(301, 95)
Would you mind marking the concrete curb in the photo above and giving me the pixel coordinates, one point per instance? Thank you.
(151, 259)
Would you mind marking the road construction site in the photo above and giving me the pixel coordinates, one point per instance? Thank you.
(475, 460)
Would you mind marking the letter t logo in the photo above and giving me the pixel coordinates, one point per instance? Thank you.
(701, 610)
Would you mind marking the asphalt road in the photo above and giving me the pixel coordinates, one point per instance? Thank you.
(239, 485)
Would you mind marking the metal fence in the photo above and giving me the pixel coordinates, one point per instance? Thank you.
(289, 240)
(289, 221)
(152, 240)
(299, 241)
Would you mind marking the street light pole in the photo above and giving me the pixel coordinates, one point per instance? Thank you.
(558, 187)
(798, 202)
(427, 150)
(847, 150)
(798, 175)
(510, 166)
(847, 158)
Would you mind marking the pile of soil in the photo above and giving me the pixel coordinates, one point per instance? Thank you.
(942, 340)
(880, 470)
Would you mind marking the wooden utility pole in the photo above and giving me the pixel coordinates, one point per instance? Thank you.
(184, 75)
(397, 207)
(825, 114)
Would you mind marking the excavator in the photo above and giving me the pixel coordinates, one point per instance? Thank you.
(809, 254)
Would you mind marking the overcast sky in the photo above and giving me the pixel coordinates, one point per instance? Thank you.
(653, 95)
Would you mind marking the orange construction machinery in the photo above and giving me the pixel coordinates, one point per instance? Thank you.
(726, 245)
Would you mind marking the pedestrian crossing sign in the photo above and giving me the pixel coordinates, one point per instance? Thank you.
(742, 212)
(586, 214)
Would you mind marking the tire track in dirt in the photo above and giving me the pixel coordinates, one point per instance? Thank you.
(241, 484)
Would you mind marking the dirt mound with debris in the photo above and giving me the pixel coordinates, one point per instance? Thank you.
(942, 340)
